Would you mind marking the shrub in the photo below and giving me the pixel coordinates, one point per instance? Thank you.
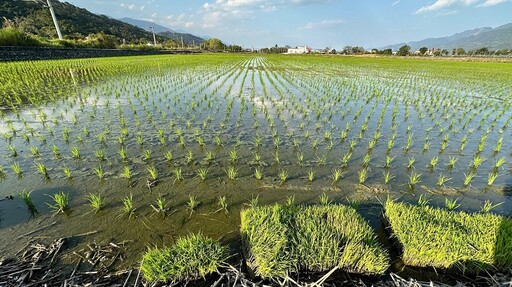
(445, 239)
(14, 37)
(278, 240)
(191, 257)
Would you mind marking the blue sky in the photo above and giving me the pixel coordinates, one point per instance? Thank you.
(316, 23)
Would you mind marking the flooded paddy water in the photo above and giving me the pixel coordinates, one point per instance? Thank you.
(207, 135)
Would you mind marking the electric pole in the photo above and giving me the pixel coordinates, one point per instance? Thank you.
(54, 19)
(154, 37)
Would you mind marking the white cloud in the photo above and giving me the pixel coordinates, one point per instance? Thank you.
(395, 3)
(325, 24)
(489, 3)
(440, 5)
(214, 13)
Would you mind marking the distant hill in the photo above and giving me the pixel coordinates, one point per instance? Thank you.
(35, 18)
(188, 39)
(492, 38)
(146, 24)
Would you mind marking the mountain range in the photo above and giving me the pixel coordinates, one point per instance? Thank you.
(491, 38)
(177, 36)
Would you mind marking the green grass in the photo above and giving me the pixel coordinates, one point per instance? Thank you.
(278, 240)
(446, 239)
(190, 258)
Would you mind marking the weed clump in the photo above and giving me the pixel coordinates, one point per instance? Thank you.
(278, 240)
(446, 239)
(191, 257)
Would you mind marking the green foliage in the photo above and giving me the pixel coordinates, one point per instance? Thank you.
(278, 240)
(14, 37)
(191, 257)
(446, 239)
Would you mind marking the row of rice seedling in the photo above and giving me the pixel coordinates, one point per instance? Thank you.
(279, 240)
(444, 239)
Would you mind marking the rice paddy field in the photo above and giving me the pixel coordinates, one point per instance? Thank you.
(147, 149)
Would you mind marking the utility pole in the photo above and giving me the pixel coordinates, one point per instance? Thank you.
(154, 37)
(54, 19)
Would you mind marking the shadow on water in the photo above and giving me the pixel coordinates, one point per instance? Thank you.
(18, 212)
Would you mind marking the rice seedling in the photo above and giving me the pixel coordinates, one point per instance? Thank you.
(41, 168)
(433, 162)
(127, 207)
(414, 178)
(366, 159)
(153, 173)
(451, 205)
(336, 176)
(410, 163)
(12, 149)
(300, 158)
(192, 204)
(75, 153)
(127, 173)
(324, 199)
(100, 155)
(189, 157)
(491, 178)
(178, 174)
(233, 155)
(389, 160)
(363, 175)
(160, 206)
(488, 206)
(311, 175)
(96, 202)
(56, 152)
(387, 176)
(123, 154)
(468, 178)
(35, 151)
(60, 202)
(283, 175)
(442, 179)
(422, 200)
(27, 200)
(146, 155)
(231, 172)
(500, 162)
(99, 172)
(67, 173)
(17, 169)
(258, 173)
(222, 203)
(346, 158)
(451, 162)
(477, 161)
(202, 173)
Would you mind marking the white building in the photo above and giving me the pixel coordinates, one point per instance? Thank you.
(299, 50)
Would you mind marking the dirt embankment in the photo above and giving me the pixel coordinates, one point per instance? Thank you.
(40, 53)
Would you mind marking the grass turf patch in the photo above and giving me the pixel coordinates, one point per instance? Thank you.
(445, 239)
(278, 240)
(191, 257)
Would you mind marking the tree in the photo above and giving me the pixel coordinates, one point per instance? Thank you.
(404, 50)
(214, 44)
(460, 51)
(423, 50)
